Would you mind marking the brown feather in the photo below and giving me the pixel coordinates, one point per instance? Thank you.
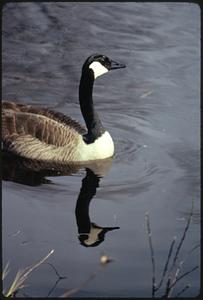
(30, 131)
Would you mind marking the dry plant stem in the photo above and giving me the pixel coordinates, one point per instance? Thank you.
(183, 236)
(171, 282)
(176, 278)
(22, 275)
(170, 286)
(57, 273)
(54, 286)
(182, 262)
(183, 290)
(166, 265)
(167, 288)
(152, 254)
(5, 271)
(179, 278)
(57, 281)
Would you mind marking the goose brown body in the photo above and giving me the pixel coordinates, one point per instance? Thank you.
(39, 133)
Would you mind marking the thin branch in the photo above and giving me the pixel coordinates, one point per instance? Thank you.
(178, 269)
(185, 274)
(183, 237)
(152, 253)
(167, 288)
(170, 285)
(166, 265)
(172, 278)
(57, 273)
(183, 290)
(54, 286)
(57, 281)
(183, 261)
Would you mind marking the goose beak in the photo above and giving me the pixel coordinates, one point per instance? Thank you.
(115, 65)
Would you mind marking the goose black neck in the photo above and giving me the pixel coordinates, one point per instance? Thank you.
(93, 123)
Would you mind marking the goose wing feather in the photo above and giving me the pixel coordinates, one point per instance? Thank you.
(53, 115)
(29, 129)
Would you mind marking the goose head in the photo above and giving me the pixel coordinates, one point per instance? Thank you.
(100, 64)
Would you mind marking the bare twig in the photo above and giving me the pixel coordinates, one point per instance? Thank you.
(57, 273)
(183, 290)
(57, 281)
(54, 286)
(175, 269)
(152, 253)
(174, 280)
(168, 287)
(183, 237)
(185, 274)
(179, 267)
(166, 265)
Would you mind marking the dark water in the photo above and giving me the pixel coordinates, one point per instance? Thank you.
(151, 109)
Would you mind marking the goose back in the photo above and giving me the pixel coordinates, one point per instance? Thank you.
(39, 133)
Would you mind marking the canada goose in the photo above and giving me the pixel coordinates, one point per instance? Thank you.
(42, 134)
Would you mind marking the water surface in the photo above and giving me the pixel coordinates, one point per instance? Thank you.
(151, 109)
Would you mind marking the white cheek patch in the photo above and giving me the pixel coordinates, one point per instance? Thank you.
(98, 69)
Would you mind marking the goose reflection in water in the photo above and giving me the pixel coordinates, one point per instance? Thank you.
(33, 173)
(90, 234)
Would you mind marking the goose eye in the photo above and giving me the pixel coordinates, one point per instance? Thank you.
(104, 60)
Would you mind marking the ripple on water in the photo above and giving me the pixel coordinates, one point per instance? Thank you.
(124, 183)
(132, 172)
(126, 136)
